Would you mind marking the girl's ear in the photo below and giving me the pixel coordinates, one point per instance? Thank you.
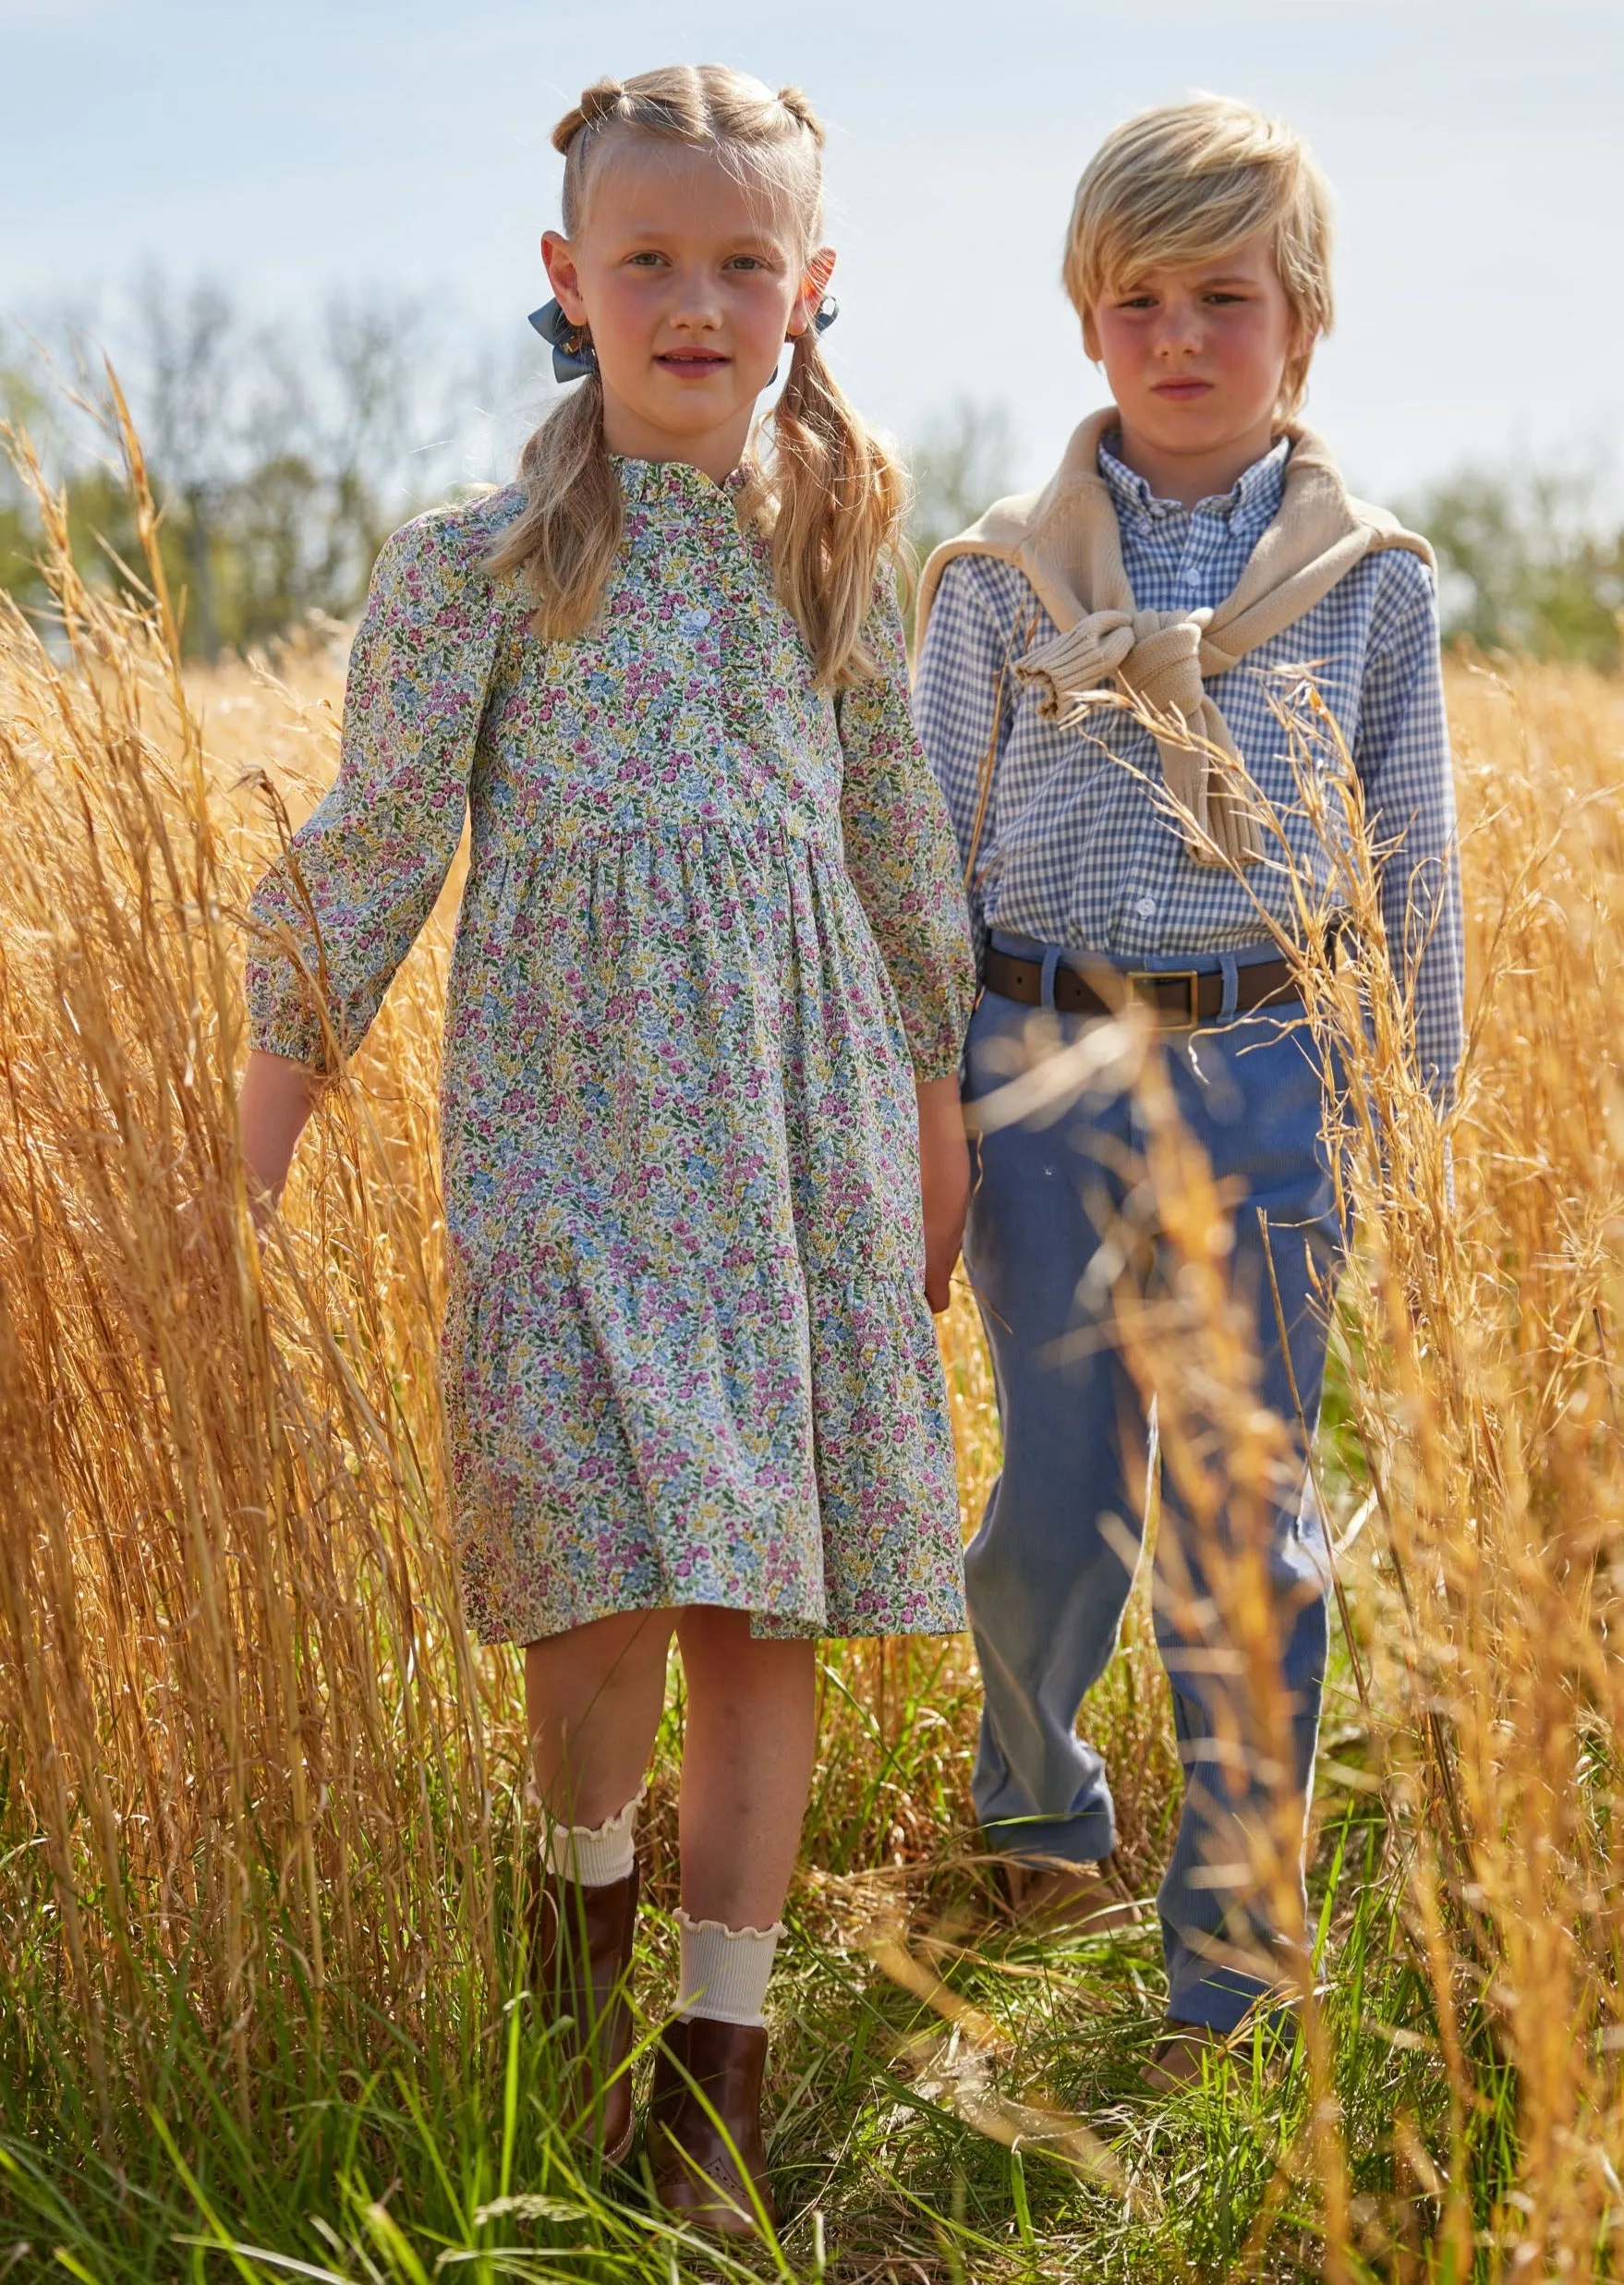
(1090, 336)
(814, 285)
(559, 260)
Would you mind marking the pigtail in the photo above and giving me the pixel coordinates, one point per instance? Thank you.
(566, 539)
(569, 533)
(839, 502)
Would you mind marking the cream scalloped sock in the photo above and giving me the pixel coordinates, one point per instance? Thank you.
(594, 1854)
(724, 1971)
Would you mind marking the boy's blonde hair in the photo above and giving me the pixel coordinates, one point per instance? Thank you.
(1189, 181)
(832, 498)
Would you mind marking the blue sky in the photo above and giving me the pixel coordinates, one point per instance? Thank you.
(1475, 150)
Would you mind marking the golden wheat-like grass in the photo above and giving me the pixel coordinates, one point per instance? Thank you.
(247, 1741)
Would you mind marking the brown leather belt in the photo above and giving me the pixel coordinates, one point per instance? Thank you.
(1179, 998)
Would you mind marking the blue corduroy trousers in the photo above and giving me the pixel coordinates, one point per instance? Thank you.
(1049, 1570)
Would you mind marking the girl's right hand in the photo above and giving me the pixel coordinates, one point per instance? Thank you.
(276, 1101)
(944, 1184)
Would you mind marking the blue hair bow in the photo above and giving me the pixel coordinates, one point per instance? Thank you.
(573, 354)
(823, 317)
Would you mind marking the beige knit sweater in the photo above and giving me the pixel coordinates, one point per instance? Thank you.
(1066, 541)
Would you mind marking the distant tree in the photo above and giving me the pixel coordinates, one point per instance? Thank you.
(21, 404)
(1528, 563)
(36, 403)
(961, 463)
(281, 458)
(188, 378)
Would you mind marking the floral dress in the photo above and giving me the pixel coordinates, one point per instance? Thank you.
(712, 930)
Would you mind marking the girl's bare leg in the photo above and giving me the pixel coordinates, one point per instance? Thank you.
(593, 1698)
(747, 1765)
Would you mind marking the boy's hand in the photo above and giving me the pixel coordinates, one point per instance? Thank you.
(944, 1183)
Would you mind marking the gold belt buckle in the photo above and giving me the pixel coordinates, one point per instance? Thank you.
(1189, 977)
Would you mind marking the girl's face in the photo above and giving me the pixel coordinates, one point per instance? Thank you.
(1196, 357)
(690, 281)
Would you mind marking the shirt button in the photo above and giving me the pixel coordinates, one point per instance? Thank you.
(1145, 907)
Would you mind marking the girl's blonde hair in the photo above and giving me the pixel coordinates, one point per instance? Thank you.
(1188, 182)
(831, 498)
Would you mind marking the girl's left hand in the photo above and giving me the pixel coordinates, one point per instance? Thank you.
(944, 1183)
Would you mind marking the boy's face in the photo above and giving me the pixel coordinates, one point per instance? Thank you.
(1197, 358)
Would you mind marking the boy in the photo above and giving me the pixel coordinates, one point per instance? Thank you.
(1192, 544)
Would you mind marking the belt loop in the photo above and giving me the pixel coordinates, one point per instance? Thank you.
(1051, 961)
(1231, 976)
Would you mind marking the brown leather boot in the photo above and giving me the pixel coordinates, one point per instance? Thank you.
(701, 2174)
(581, 1956)
(1056, 1898)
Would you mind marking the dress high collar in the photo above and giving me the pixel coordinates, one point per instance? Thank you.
(655, 483)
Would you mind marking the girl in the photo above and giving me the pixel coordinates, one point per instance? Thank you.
(711, 978)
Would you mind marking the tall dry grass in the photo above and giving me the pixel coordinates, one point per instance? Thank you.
(1484, 1402)
(262, 1800)
(1475, 1330)
(238, 1699)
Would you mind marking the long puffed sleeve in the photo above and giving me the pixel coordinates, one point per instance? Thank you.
(360, 877)
(901, 856)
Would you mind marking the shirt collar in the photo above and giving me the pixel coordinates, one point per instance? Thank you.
(1251, 503)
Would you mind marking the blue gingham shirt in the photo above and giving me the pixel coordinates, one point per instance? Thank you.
(1074, 849)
